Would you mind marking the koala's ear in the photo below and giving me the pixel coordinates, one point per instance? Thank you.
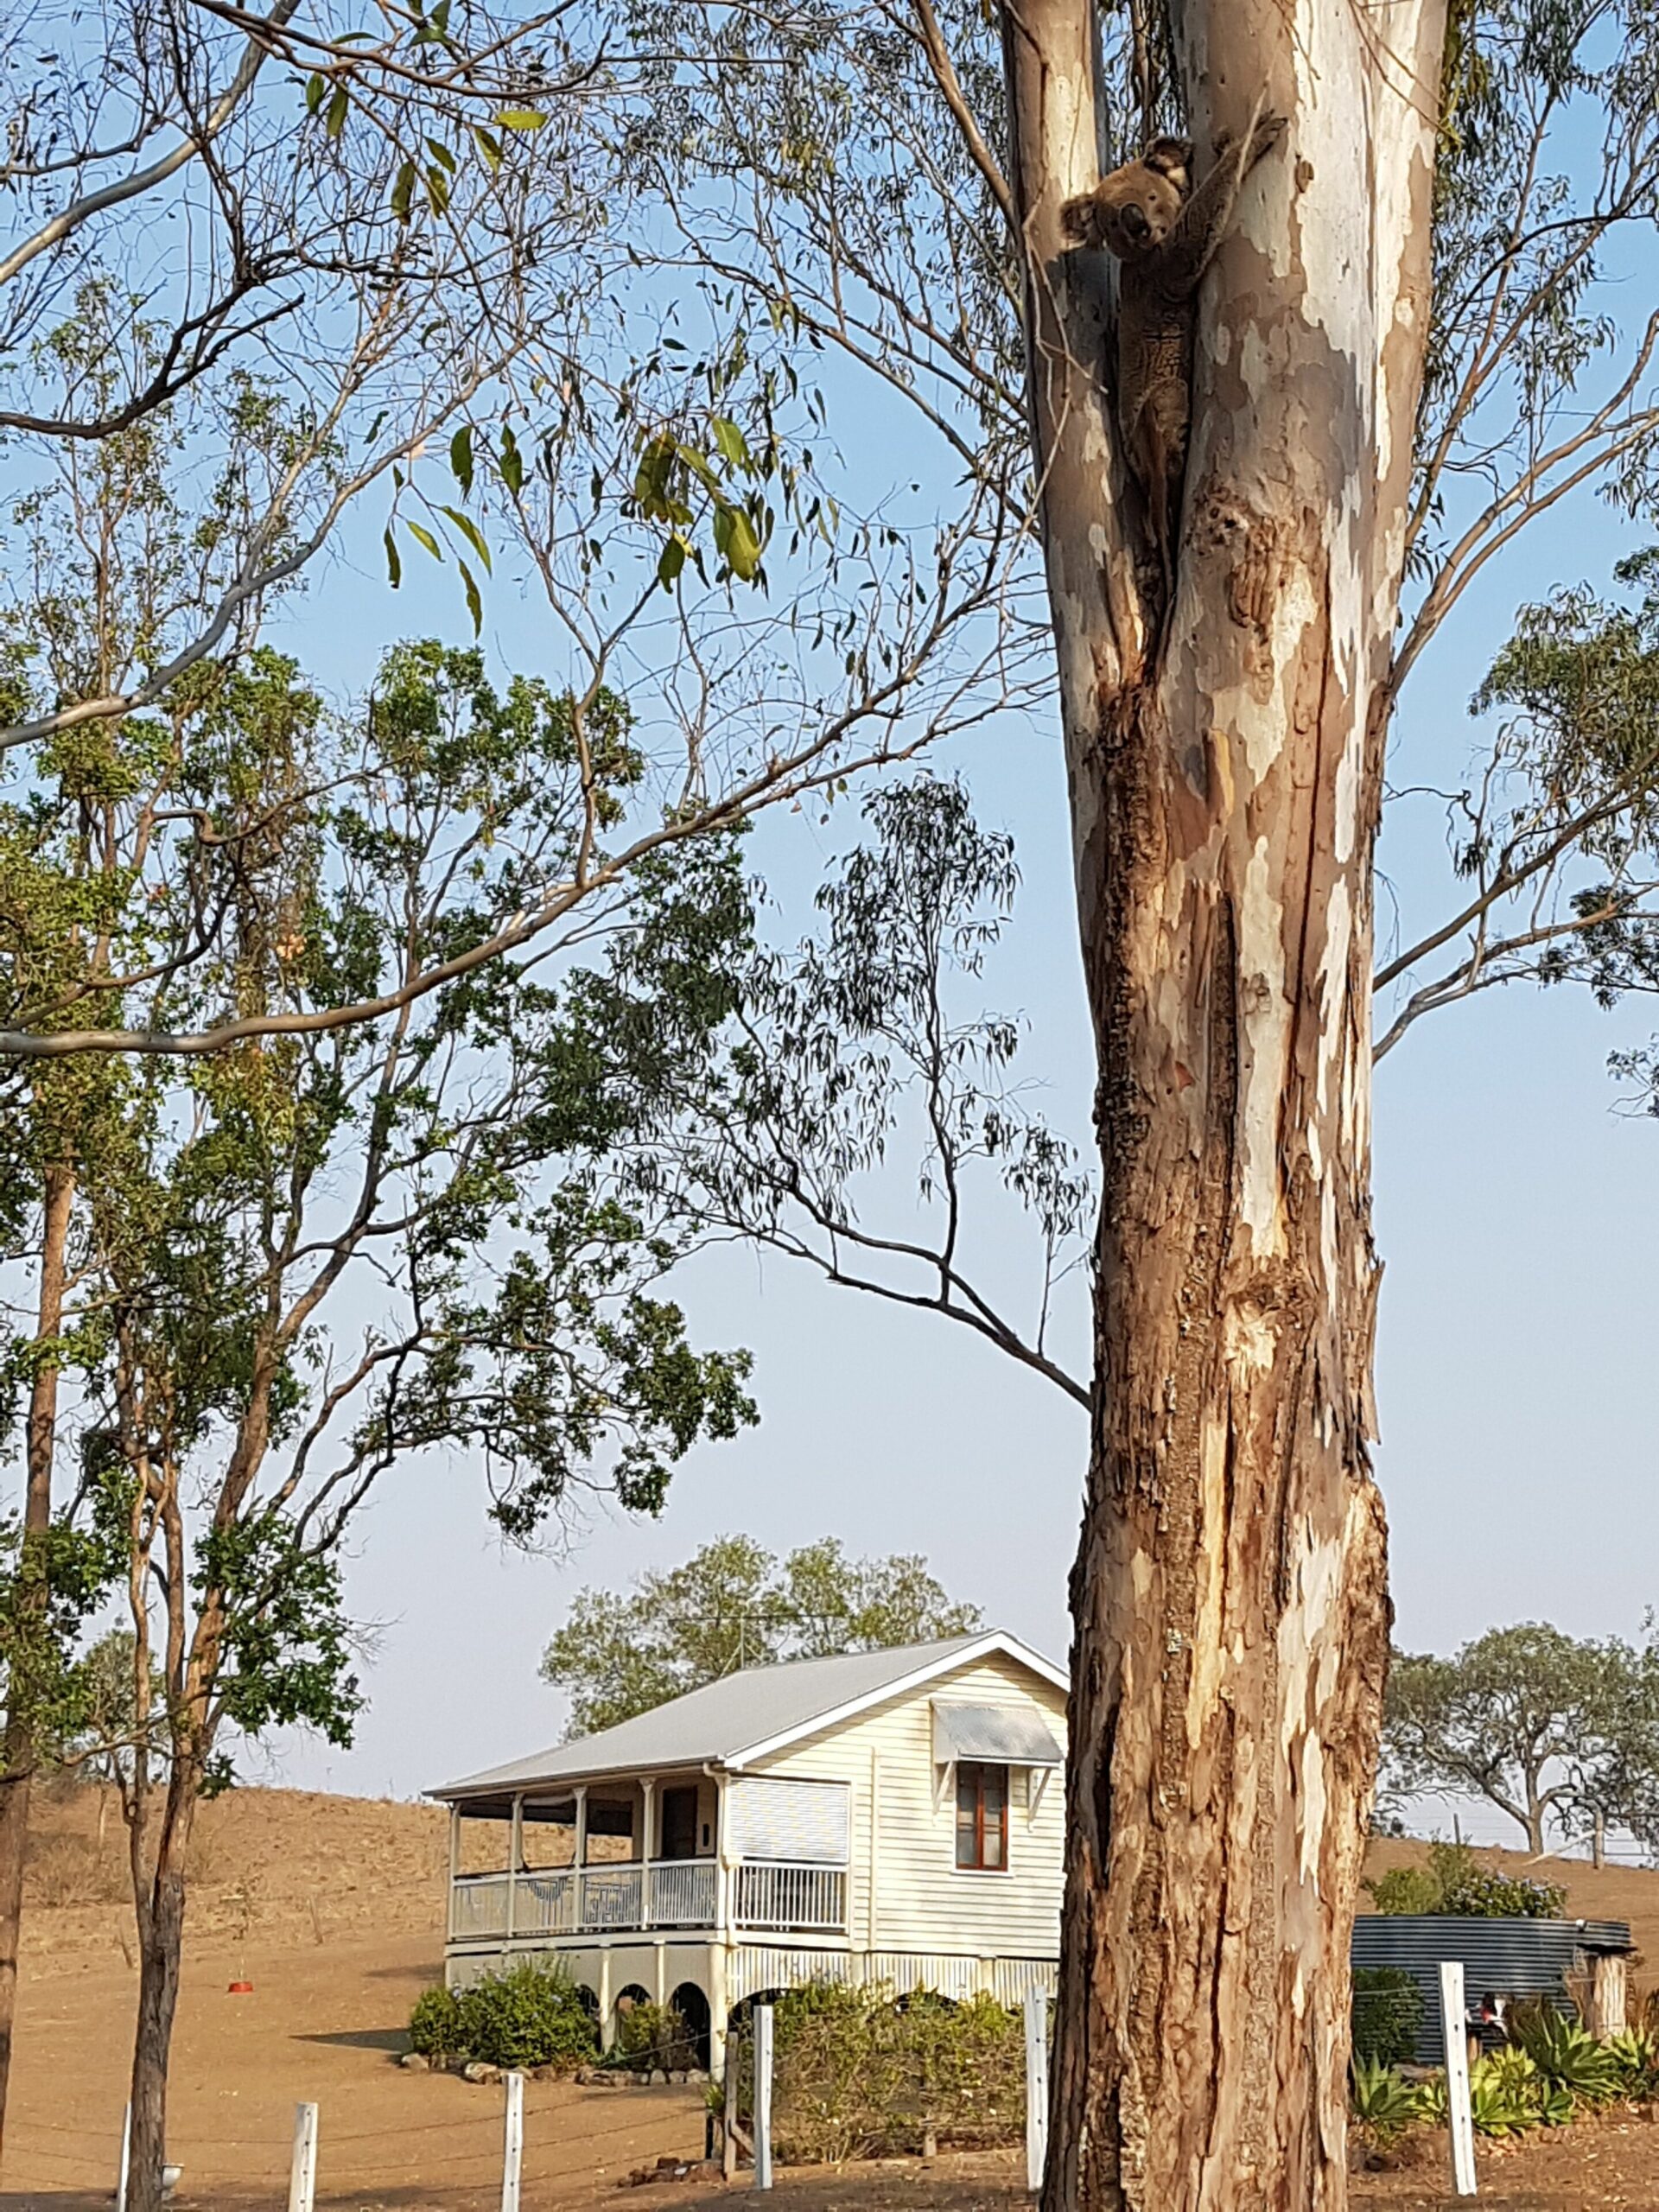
(1171, 157)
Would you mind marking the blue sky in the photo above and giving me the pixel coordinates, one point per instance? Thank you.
(1517, 1211)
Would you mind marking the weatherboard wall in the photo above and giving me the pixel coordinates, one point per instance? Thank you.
(908, 1893)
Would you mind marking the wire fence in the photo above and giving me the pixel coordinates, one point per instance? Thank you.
(566, 2138)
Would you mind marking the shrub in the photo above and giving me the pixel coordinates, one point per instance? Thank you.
(651, 2035)
(1388, 2012)
(531, 2015)
(859, 2073)
(434, 2024)
(1405, 1889)
(1454, 1882)
(1485, 1893)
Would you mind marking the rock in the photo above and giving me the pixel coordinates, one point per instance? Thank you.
(658, 2079)
(478, 2069)
(676, 2076)
(695, 2074)
(664, 2169)
(415, 2062)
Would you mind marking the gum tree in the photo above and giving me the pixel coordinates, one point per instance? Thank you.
(1403, 360)
(295, 1265)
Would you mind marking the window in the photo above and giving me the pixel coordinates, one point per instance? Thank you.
(982, 1816)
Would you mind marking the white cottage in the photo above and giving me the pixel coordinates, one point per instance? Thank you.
(891, 1816)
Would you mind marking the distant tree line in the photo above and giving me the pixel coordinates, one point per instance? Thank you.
(734, 1603)
(1560, 1733)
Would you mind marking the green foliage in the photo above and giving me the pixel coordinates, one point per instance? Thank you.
(51, 1585)
(1504, 2091)
(1549, 1728)
(875, 1024)
(1481, 1891)
(651, 2035)
(860, 2074)
(733, 1604)
(1636, 2054)
(1387, 2014)
(528, 2015)
(1455, 1882)
(434, 2023)
(1508, 2095)
(1565, 2053)
(286, 1654)
(1381, 2098)
(1405, 1890)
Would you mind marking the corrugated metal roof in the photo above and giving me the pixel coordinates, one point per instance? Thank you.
(741, 1714)
(1008, 1735)
(1509, 1958)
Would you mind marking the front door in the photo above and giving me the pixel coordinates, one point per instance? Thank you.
(680, 1823)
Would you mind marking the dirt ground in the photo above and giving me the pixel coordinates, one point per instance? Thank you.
(321, 2025)
(332, 1907)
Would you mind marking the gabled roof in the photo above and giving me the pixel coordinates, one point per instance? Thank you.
(751, 1714)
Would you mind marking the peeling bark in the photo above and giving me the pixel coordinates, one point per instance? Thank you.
(1229, 1598)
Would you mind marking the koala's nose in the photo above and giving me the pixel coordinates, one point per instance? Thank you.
(1135, 221)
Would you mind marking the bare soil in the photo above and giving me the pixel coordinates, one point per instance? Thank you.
(332, 1906)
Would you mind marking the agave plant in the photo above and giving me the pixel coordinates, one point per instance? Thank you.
(1566, 2054)
(1556, 2106)
(1636, 2054)
(1514, 2070)
(1432, 2101)
(1381, 2098)
(1502, 2100)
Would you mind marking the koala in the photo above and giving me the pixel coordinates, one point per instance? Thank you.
(1165, 231)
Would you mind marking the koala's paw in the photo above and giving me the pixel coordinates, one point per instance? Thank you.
(1080, 219)
(1267, 133)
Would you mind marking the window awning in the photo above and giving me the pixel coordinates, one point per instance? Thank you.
(1004, 1735)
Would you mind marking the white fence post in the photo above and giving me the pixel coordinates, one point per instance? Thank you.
(512, 2151)
(126, 2161)
(763, 2096)
(1460, 2126)
(302, 2174)
(1036, 2086)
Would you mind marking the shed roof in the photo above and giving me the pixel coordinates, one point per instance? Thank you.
(749, 1714)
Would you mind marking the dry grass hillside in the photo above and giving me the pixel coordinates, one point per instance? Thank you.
(1628, 1893)
(265, 1864)
(280, 1863)
(331, 1908)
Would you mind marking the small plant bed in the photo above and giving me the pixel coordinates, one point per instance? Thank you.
(1551, 2073)
(860, 2074)
(528, 2020)
(653, 2045)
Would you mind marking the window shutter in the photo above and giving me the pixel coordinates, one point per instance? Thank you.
(803, 1821)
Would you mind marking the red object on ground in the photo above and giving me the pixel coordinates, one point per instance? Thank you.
(241, 1989)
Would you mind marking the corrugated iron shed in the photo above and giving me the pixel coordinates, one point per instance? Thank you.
(1509, 1958)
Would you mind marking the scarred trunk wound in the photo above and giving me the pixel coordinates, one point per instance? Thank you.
(1229, 1594)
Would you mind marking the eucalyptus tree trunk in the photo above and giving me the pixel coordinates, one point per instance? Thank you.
(21, 1745)
(1229, 1595)
(161, 1897)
